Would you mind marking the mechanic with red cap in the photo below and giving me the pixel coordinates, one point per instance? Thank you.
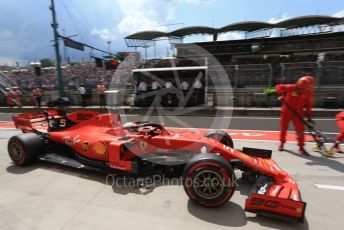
(340, 135)
(299, 97)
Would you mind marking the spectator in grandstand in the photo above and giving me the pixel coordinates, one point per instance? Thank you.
(82, 92)
(143, 87)
(19, 95)
(197, 85)
(156, 85)
(37, 94)
(198, 92)
(184, 86)
(33, 100)
(340, 136)
(295, 99)
(168, 85)
(100, 89)
(10, 97)
(170, 91)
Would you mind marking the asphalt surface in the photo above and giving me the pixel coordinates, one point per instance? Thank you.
(49, 196)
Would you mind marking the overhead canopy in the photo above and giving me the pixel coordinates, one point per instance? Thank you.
(244, 26)
(147, 35)
(306, 21)
(247, 26)
(192, 30)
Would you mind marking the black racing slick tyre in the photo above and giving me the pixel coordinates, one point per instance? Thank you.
(25, 148)
(209, 180)
(220, 136)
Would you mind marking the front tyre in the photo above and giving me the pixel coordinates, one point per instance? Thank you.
(25, 148)
(208, 180)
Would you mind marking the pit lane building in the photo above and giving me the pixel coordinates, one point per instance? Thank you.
(265, 55)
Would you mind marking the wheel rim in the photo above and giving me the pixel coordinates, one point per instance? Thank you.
(16, 152)
(208, 184)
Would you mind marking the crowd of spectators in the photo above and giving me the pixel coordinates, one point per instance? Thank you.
(247, 70)
(73, 77)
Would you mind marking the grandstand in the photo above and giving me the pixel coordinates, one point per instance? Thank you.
(267, 54)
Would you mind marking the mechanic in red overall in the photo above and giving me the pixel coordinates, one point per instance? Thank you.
(340, 135)
(299, 96)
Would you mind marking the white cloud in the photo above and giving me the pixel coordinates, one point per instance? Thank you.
(105, 34)
(280, 18)
(173, 4)
(137, 16)
(7, 61)
(171, 13)
(138, 21)
(197, 1)
(230, 36)
(339, 14)
(141, 15)
(6, 34)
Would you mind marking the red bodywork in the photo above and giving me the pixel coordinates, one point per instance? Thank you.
(102, 137)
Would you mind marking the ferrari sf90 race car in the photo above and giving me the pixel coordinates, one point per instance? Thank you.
(206, 159)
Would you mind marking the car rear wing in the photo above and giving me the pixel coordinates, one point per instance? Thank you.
(46, 120)
(36, 121)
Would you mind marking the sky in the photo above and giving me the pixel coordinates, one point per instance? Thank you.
(26, 33)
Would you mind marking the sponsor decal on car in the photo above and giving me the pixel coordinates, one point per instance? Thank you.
(99, 148)
(274, 204)
(143, 145)
(83, 116)
(263, 189)
(71, 142)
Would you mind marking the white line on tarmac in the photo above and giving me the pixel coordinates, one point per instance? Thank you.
(322, 133)
(253, 118)
(330, 187)
(277, 118)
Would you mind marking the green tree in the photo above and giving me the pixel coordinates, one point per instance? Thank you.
(46, 62)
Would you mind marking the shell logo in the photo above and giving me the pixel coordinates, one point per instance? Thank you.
(99, 148)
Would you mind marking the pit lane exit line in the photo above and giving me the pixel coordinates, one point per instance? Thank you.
(329, 187)
(236, 117)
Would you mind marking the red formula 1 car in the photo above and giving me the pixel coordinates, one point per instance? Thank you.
(87, 139)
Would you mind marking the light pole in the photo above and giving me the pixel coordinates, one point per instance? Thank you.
(109, 44)
(57, 50)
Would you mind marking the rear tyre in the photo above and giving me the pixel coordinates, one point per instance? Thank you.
(208, 180)
(220, 136)
(25, 148)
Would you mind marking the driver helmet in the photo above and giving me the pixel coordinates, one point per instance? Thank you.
(303, 83)
(311, 80)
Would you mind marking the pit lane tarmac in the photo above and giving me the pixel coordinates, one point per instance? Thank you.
(48, 196)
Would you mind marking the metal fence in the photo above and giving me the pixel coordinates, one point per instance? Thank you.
(241, 76)
(327, 73)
